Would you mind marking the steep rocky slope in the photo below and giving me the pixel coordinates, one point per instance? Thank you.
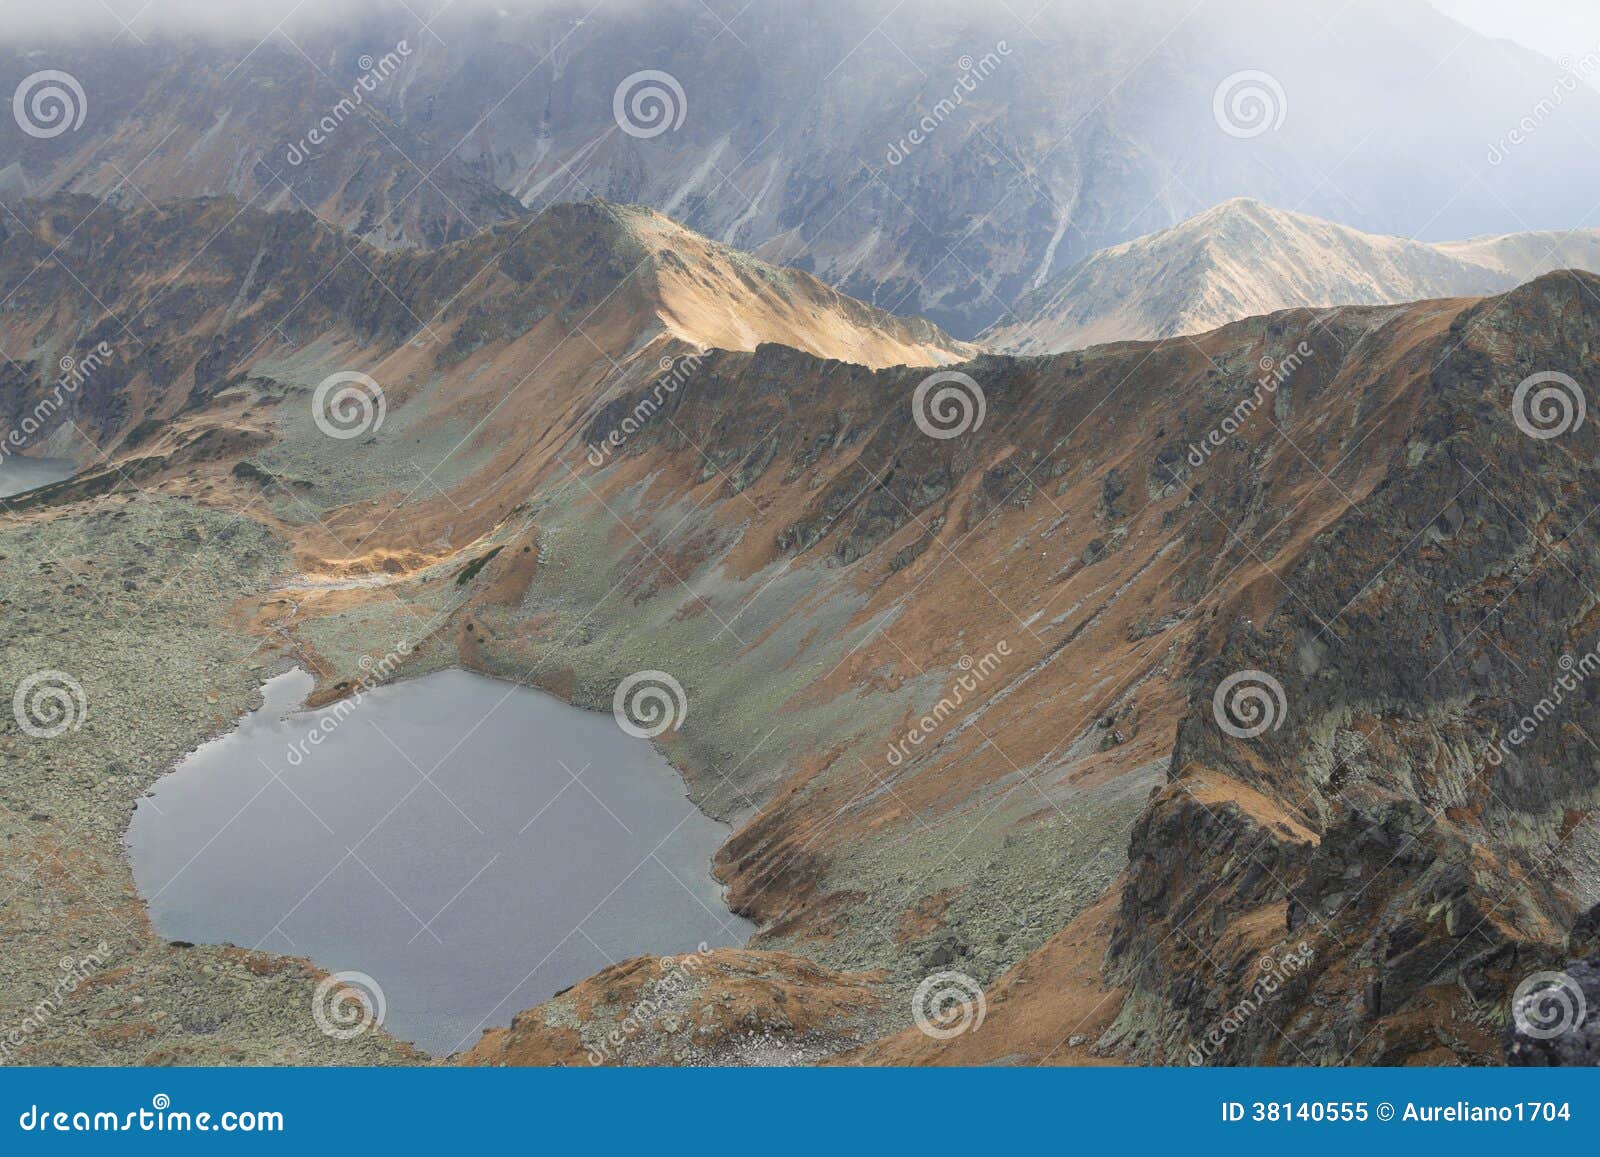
(1380, 538)
(926, 156)
(955, 693)
(1242, 259)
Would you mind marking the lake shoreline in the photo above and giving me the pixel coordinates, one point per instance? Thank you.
(209, 777)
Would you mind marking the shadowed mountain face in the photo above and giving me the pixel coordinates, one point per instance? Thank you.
(927, 157)
(970, 672)
(1243, 259)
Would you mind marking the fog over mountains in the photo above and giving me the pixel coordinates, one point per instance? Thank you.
(927, 157)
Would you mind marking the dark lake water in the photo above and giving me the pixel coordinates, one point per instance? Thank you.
(471, 845)
(18, 474)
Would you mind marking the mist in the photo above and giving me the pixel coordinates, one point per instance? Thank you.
(230, 19)
(136, 20)
(1555, 28)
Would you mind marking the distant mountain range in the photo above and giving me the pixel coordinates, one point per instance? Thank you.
(1242, 259)
(925, 156)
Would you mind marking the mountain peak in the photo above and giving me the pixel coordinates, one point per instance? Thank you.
(713, 296)
(1243, 258)
(1238, 207)
(1246, 212)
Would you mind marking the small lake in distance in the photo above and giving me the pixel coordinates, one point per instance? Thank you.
(472, 845)
(19, 474)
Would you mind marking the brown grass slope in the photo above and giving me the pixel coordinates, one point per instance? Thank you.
(1380, 537)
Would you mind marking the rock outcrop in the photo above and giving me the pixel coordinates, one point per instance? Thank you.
(1555, 1015)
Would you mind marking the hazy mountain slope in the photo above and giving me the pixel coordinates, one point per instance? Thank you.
(1521, 256)
(189, 119)
(1243, 258)
(1089, 123)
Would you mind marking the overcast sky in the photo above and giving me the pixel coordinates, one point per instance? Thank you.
(1553, 27)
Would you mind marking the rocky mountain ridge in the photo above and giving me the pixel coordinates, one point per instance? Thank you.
(184, 299)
